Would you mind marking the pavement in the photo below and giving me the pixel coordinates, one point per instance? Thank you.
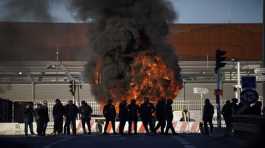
(184, 140)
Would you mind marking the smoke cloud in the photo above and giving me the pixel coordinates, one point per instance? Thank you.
(120, 30)
(24, 9)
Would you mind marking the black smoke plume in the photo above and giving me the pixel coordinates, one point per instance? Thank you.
(123, 28)
(18, 10)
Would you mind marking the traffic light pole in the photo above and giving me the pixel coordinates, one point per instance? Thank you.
(218, 97)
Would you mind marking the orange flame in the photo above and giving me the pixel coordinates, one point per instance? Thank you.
(149, 77)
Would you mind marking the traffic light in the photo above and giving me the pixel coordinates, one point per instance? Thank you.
(72, 87)
(220, 59)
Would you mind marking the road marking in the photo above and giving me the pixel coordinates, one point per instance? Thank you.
(59, 141)
(184, 142)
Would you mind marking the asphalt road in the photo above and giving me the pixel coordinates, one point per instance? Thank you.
(118, 141)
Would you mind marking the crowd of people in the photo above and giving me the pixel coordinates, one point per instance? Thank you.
(228, 111)
(148, 113)
(65, 116)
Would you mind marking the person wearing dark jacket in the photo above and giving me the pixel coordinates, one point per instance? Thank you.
(169, 117)
(161, 109)
(256, 109)
(109, 113)
(58, 112)
(71, 112)
(133, 110)
(208, 111)
(227, 112)
(123, 115)
(40, 119)
(86, 113)
(146, 112)
(28, 119)
(45, 117)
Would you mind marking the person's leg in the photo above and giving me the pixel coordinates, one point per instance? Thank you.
(83, 125)
(45, 124)
(211, 126)
(60, 126)
(206, 130)
(26, 128)
(135, 126)
(157, 126)
(151, 123)
(172, 127)
(167, 127)
(130, 126)
(163, 124)
(89, 126)
(31, 128)
(73, 126)
(106, 126)
(121, 126)
(55, 126)
(113, 126)
(145, 123)
(67, 127)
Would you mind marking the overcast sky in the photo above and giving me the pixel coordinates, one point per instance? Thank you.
(189, 11)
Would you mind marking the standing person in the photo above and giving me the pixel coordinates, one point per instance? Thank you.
(161, 115)
(169, 117)
(234, 105)
(123, 115)
(146, 111)
(40, 119)
(109, 113)
(71, 112)
(45, 117)
(208, 111)
(133, 109)
(85, 112)
(58, 112)
(28, 119)
(227, 112)
(256, 109)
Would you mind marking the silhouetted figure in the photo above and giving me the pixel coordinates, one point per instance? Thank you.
(235, 106)
(185, 116)
(40, 115)
(45, 117)
(146, 111)
(28, 119)
(161, 110)
(227, 112)
(109, 113)
(58, 112)
(133, 110)
(71, 112)
(169, 117)
(208, 112)
(123, 115)
(256, 108)
(86, 113)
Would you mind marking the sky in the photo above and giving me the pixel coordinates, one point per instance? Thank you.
(188, 11)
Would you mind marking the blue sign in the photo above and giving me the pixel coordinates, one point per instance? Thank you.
(248, 82)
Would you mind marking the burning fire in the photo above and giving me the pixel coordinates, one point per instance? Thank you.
(148, 77)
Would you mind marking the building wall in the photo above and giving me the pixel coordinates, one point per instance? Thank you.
(23, 92)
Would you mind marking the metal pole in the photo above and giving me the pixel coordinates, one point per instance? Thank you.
(218, 97)
(201, 106)
(263, 51)
(238, 87)
(33, 93)
(78, 96)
